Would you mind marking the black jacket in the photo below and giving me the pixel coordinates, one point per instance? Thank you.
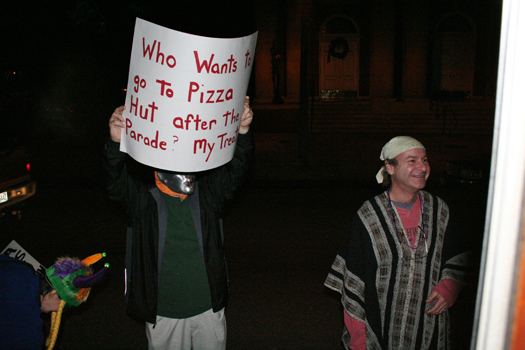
(147, 215)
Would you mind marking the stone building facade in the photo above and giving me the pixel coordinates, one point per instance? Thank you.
(377, 65)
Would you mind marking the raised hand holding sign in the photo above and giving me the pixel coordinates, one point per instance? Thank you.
(185, 98)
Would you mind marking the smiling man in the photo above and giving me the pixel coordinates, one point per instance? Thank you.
(403, 264)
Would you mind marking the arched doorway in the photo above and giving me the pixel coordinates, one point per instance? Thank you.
(338, 58)
(454, 56)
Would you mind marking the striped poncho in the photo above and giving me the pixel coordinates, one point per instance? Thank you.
(384, 283)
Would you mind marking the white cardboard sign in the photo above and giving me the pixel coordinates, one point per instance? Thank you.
(15, 251)
(185, 97)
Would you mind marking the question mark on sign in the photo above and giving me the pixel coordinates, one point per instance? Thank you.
(175, 139)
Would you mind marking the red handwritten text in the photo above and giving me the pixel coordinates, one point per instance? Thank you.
(180, 123)
(147, 52)
(227, 141)
(163, 89)
(139, 83)
(210, 96)
(215, 68)
(232, 117)
(203, 145)
(143, 113)
(207, 146)
(151, 142)
(248, 59)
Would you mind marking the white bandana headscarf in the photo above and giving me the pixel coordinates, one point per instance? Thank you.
(395, 147)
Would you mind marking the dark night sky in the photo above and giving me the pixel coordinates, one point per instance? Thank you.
(76, 53)
(33, 31)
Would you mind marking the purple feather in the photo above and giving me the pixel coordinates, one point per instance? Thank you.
(66, 267)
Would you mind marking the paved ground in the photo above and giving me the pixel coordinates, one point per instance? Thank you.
(282, 235)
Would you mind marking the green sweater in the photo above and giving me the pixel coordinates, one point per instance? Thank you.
(183, 287)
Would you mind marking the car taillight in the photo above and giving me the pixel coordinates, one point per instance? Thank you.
(28, 167)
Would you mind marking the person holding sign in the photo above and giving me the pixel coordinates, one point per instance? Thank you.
(176, 279)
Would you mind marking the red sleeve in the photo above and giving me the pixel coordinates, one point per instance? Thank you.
(448, 289)
(357, 330)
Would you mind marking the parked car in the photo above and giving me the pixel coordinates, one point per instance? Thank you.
(16, 185)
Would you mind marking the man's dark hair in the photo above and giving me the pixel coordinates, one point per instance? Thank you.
(387, 179)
